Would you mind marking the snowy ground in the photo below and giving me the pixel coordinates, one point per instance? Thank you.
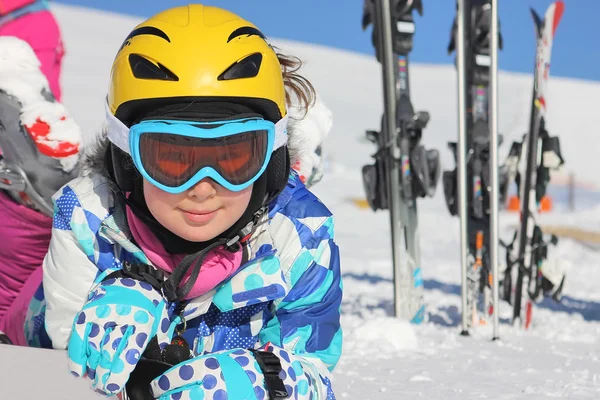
(383, 357)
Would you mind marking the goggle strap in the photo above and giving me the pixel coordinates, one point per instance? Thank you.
(118, 132)
(281, 136)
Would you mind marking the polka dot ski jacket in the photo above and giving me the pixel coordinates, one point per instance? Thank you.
(288, 294)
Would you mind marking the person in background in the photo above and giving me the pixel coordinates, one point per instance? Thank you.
(39, 153)
(39, 146)
(33, 22)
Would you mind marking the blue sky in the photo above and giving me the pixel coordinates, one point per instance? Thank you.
(576, 51)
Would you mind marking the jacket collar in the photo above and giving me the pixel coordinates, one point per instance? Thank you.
(260, 279)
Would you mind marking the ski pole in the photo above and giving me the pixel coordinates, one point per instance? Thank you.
(461, 61)
(383, 18)
(495, 179)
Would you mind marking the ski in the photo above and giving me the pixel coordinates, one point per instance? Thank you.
(541, 153)
(477, 22)
(404, 170)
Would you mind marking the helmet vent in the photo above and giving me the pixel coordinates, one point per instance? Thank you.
(248, 31)
(143, 68)
(245, 68)
(144, 30)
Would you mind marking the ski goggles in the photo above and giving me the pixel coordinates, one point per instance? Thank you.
(175, 155)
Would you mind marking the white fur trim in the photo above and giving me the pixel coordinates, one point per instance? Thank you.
(309, 134)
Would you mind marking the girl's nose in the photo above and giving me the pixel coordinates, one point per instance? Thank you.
(203, 190)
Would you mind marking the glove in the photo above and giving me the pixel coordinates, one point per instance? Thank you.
(233, 374)
(113, 329)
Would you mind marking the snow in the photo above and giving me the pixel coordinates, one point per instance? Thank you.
(385, 358)
(28, 374)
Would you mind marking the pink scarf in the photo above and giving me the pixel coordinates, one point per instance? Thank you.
(218, 265)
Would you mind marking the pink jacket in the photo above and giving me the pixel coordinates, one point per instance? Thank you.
(41, 31)
(7, 6)
(25, 236)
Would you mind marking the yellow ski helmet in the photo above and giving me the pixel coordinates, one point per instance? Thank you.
(195, 53)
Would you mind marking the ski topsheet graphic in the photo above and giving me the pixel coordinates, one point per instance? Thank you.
(527, 256)
(403, 171)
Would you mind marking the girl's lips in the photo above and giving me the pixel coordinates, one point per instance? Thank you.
(199, 217)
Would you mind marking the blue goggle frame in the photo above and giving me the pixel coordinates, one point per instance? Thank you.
(201, 130)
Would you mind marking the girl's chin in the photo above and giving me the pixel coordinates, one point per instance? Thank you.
(196, 236)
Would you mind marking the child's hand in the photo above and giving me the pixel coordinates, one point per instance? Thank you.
(112, 330)
(204, 377)
(233, 374)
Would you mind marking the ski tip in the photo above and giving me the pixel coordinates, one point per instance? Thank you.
(419, 7)
(366, 21)
(452, 45)
(367, 17)
(537, 20)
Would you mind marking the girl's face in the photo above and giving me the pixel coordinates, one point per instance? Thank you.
(200, 213)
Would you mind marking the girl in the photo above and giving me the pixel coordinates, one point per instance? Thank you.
(33, 22)
(189, 226)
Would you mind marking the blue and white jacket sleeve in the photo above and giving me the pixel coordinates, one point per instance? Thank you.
(306, 325)
(68, 270)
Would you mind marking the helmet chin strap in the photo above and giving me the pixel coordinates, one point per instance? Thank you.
(193, 262)
(232, 239)
(171, 287)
